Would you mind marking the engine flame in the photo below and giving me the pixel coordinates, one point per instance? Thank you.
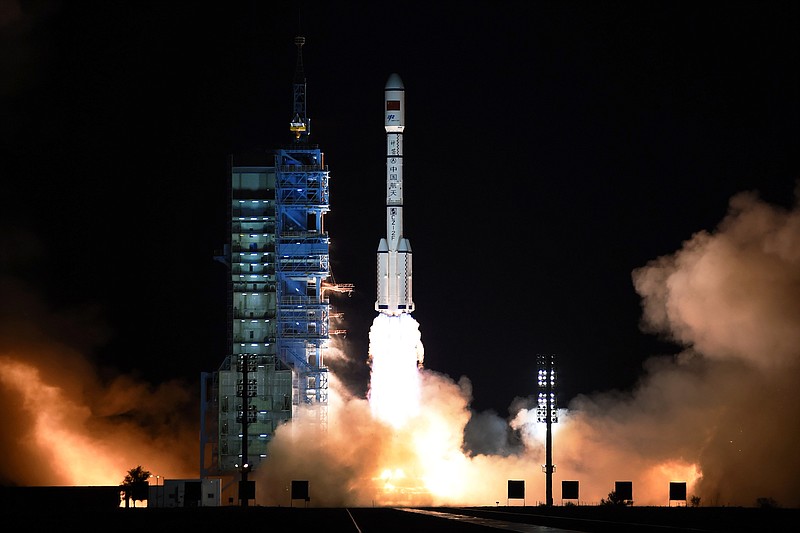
(396, 353)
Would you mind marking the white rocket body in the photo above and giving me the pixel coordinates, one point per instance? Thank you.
(394, 251)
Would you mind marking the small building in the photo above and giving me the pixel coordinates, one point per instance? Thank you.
(185, 493)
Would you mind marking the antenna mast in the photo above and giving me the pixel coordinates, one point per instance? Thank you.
(300, 125)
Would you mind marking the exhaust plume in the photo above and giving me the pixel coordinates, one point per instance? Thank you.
(721, 415)
(732, 297)
(718, 416)
(63, 424)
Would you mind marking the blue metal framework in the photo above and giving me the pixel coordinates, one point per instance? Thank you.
(302, 266)
(278, 311)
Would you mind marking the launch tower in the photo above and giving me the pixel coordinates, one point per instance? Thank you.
(278, 308)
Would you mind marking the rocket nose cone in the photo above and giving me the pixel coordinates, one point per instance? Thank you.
(394, 82)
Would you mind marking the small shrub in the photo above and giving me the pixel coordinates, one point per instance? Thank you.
(615, 500)
(766, 503)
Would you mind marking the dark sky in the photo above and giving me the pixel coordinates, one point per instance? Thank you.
(551, 148)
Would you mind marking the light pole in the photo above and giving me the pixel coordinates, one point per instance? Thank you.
(546, 412)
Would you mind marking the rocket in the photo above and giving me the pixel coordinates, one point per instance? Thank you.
(394, 251)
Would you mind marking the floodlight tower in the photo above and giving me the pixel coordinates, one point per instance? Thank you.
(546, 412)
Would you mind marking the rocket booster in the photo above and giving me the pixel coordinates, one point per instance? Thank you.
(394, 251)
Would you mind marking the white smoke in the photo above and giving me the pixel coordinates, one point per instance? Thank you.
(721, 415)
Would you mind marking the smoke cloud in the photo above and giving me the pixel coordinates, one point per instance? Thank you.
(721, 415)
(64, 424)
(732, 297)
(361, 461)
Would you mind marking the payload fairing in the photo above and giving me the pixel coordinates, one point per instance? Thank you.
(394, 251)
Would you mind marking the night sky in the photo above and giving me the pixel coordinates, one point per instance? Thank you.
(551, 148)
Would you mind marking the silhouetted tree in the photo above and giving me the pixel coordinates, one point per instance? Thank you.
(135, 485)
(615, 500)
(766, 503)
(695, 501)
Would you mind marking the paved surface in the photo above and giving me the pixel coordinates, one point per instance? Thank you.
(489, 522)
(50, 516)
